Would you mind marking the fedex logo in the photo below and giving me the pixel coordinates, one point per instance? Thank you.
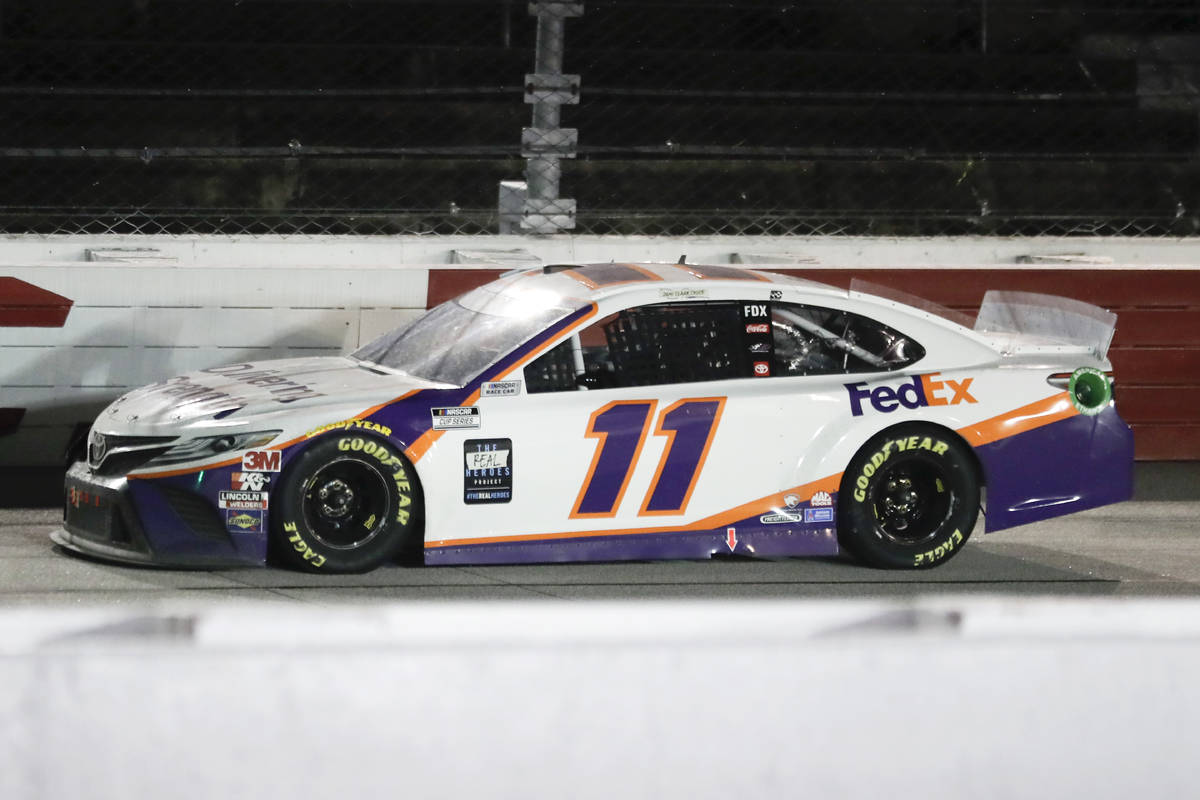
(921, 390)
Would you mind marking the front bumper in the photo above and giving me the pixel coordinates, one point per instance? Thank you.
(152, 522)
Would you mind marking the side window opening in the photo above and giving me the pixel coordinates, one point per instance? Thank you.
(646, 346)
(810, 340)
(706, 341)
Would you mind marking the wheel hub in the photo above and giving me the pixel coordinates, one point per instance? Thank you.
(911, 503)
(336, 499)
(345, 504)
(901, 501)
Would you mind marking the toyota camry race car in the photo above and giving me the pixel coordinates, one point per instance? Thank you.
(620, 411)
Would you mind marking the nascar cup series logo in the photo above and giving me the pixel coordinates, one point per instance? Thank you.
(920, 390)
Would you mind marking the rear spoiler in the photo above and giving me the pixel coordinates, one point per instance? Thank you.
(1058, 319)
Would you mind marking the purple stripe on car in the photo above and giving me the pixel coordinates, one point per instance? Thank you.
(1067, 466)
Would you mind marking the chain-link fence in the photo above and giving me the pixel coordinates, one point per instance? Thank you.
(693, 116)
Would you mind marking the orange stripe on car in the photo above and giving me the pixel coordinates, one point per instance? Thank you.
(1019, 420)
(1025, 418)
(759, 506)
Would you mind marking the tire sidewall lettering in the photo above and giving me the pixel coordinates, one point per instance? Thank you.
(386, 536)
(950, 462)
(893, 447)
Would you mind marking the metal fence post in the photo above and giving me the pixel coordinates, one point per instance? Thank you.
(547, 89)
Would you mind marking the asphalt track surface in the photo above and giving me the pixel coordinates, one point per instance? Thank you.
(1149, 546)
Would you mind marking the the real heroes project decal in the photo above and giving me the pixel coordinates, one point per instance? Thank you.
(488, 471)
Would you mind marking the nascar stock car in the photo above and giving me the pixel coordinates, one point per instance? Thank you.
(620, 411)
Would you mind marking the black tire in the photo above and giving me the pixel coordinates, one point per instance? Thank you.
(348, 503)
(909, 498)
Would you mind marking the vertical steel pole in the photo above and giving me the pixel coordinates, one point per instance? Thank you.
(544, 144)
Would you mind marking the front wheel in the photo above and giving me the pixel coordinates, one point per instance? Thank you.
(909, 498)
(346, 504)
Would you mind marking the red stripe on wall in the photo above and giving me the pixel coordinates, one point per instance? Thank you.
(23, 305)
(446, 284)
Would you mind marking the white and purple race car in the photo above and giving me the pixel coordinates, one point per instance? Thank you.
(620, 411)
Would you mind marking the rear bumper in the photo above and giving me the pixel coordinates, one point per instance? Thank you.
(1070, 465)
(149, 523)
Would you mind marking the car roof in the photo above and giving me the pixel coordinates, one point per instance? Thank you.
(590, 282)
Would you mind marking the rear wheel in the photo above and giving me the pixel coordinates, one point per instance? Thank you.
(909, 498)
(346, 504)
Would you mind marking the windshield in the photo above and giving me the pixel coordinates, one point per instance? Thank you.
(461, 338)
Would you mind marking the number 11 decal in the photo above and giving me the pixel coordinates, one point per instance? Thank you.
(621, 427)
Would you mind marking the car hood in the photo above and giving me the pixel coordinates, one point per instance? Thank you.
(233, 393)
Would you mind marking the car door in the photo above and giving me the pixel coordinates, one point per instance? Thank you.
(674, 424)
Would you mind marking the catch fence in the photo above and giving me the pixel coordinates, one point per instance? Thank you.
(884, 117)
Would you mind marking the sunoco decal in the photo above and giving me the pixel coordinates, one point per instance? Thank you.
(244, 521)
(488, 471)
(920, 390)
(455, 417)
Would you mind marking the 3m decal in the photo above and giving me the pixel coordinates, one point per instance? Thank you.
(261, 461)
(455, 417)
(250, 481)
(488, 474)
(500, 389)
(244, 521)
(242, 501)
(921, 390)
(621, 427)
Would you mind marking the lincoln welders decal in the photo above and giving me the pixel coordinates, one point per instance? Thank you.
(241, 501)
(488, 471)
(455, 417)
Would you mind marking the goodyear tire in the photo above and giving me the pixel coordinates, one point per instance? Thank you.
(346, 504)
(909, 498)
